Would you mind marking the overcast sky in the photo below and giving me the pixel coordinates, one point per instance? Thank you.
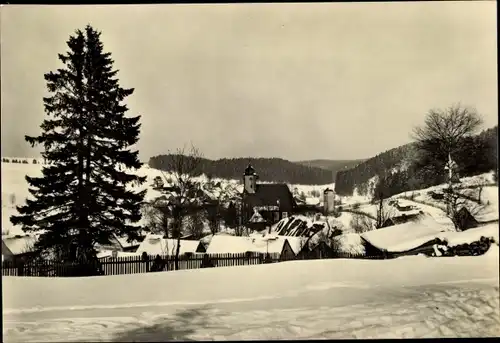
(297, 81)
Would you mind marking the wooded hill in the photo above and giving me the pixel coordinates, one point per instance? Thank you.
(479, 154)
(269, 169)
(333, 165)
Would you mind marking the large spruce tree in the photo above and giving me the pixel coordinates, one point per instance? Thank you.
(82, 198)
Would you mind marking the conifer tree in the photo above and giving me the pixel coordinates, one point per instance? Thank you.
(82, 197)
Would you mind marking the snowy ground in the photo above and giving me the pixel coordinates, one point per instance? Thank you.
(401, 298)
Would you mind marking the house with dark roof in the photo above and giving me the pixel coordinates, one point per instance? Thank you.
(272, 201)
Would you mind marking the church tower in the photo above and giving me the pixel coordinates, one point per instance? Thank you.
(250, 180)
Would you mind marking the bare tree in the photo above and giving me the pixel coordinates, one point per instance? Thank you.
(184, 194)
(158, 217)
(444, 131)
(194, 224)
(384, 212)
(360, 223)
(221, 195)
(381, 191)
(479, 184)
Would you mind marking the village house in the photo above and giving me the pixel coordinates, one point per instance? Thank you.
(154, 244)
(318, 251)
(17, 247)
(286, 247)
(410, 238)
(271, 201)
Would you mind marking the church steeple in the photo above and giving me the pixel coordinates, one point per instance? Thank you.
(250, 180)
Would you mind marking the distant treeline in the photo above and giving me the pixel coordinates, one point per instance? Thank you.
(479, 154)
(268, 169)
(15, 160)
(332, 165)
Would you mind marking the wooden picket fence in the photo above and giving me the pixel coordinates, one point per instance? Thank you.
(339, 255)
(136, 264)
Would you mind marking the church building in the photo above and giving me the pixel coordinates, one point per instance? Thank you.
(269, 203)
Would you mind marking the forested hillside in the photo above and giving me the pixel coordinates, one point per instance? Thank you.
(332, 165)
(479, 154)
(347, 180)
(269, 169)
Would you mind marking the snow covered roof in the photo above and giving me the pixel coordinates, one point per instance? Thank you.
(19, 244)
(291, 226)
(312, 201)
(405, 236)
(157, 245)
(471, 235)
(123, 241)
(109, 253)
(235, 244)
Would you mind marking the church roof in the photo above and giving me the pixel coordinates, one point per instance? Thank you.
(269, 194)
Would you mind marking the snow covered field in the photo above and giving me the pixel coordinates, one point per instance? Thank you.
(401, 298)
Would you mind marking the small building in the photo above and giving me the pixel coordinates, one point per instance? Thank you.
(319, 251)
(272, 201)
(410, 238)
(286, 247)
(154, 244)
(403, 208)
(402, 218)
(17, 247)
